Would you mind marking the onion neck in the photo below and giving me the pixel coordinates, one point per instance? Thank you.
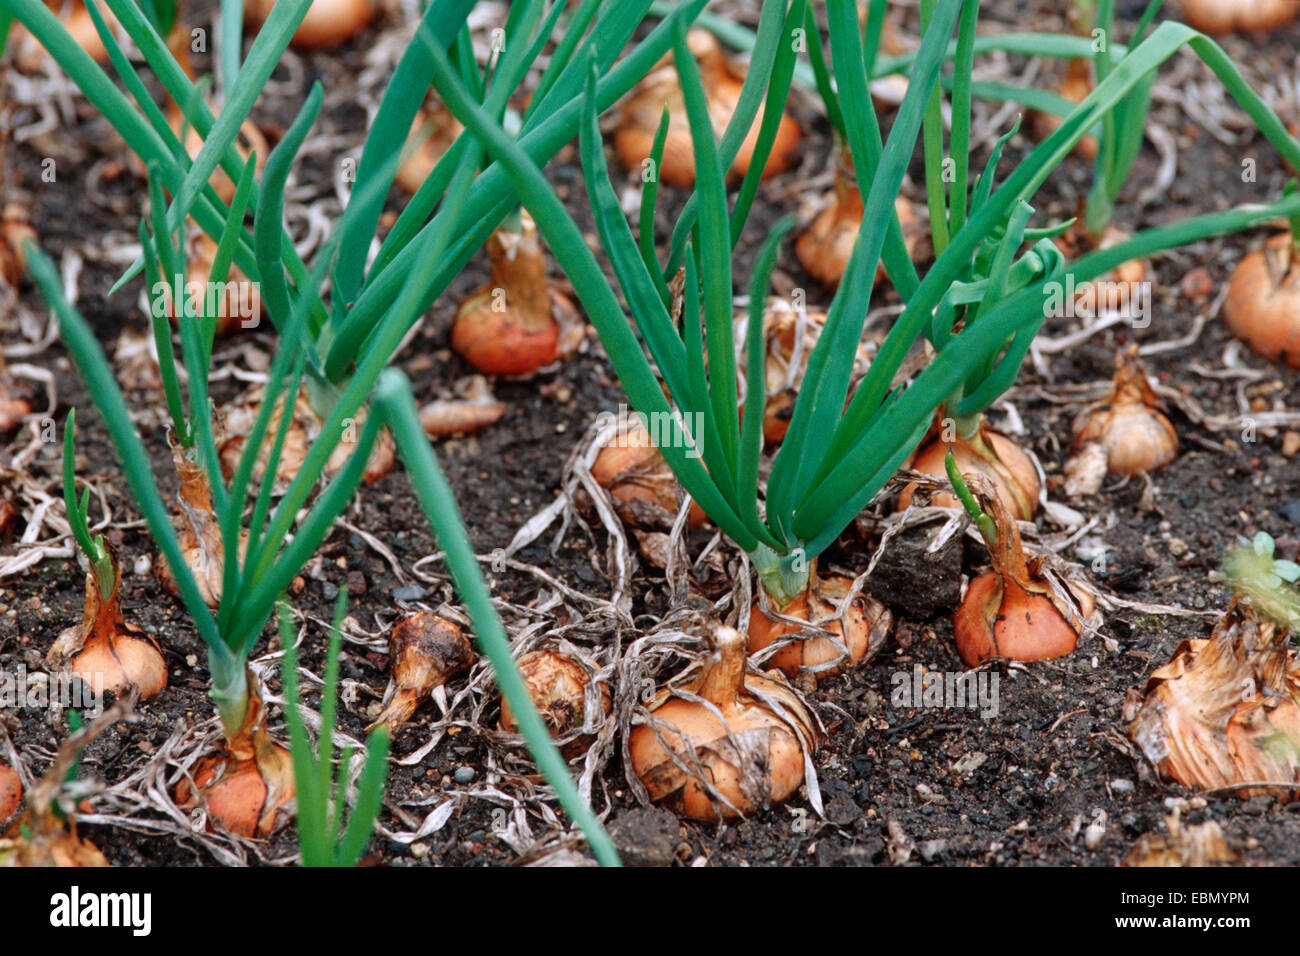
(725, 677)
(783, 577)
(229, 690)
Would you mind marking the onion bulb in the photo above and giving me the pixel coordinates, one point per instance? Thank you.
(639, 480)
(562, 685)
(992, 455)
(518, 322)
(199, 531)
(732, 755)
(643, 111)
(1229, 16)
(249, 141)
(425, 651)
(1125, 434)
(824, 249)
(303, 431)
(236, 304)
(11, 792)
(1226, 710)
(14, 230)
(472, 409)
(856, 637)
(1262, 307)
(1013, 611)
(328, 23)
(249, 786)
(1074, 88)
(432, 133)
(30, 55)
(105, 651)
(13, 407)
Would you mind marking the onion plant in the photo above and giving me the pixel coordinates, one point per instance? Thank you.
(336, 350)
(980, 304)
(322, 837)
(256, 579)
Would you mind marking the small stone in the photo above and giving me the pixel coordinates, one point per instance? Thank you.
(1121, 785)
(464, 775)
(192, 660)
(647, 836)
(1177, 547)
(419, 850)
(931, 850)
(970, 762)
(356, 583)
(1290, 511)
(329, 590)
(1290, 444)
(410, 592)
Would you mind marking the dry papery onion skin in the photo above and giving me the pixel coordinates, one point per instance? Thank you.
(639, 119)
(1262, 307)
(752, 757)
(107, 652)
(249, 787)
(1126, 434)
(1225, 711)
(199, 532)
(424, 652)
(862, 630)
(303, 430)
(1229, 16)
(991, 454)
(558, 682)
(1012, 612)
(641, 483)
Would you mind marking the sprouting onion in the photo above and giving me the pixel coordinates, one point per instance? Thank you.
(322, 837)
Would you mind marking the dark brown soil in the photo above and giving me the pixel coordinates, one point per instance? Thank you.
(1017, 789)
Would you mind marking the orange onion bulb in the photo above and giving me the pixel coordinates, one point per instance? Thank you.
(105, 651)
(739, 755)
(563, 687)
(1262, 307)
(856, 637)
(1013, 612)
(424, 651)
(991, 454)
(825, 247)
(517, 322)
(642, 112)
(1230, 16)
(1126, 434)
(248, 787)
(328, 23)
